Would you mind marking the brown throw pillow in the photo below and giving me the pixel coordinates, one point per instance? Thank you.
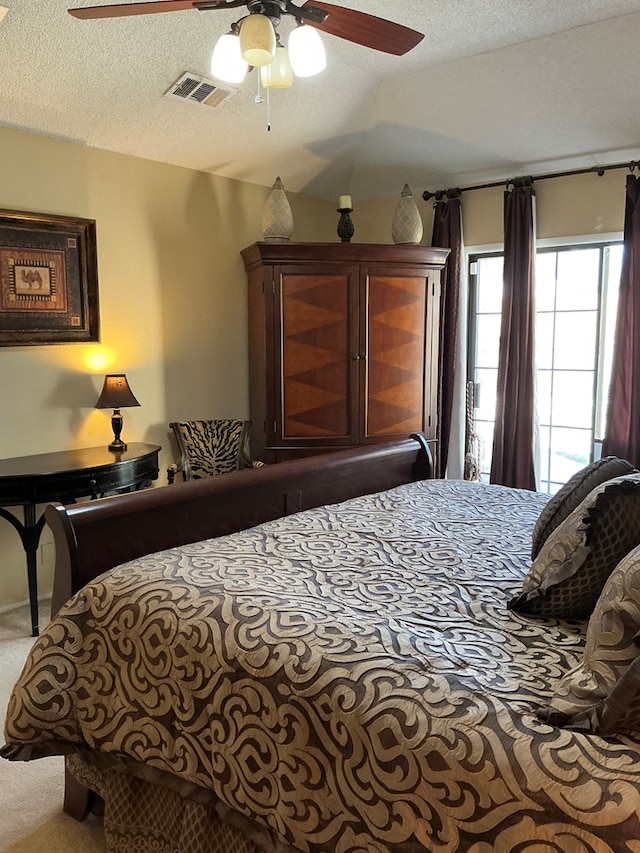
(567, 577)
(602, 694)
(574, 491)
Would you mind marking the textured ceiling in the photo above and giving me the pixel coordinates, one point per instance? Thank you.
(497, 88)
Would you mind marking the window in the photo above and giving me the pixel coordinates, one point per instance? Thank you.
(576, 302)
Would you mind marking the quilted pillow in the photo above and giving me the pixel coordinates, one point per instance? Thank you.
(602, 694)
(572, 494)
(568, 575)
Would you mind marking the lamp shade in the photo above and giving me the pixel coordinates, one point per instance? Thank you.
(227, 63)
(257, 40)
(279, 73)
(116, 393)
(306, 52)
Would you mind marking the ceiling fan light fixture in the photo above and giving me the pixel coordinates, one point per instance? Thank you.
(227, 63)
(306, 51)
(279, 74)
(257, 40)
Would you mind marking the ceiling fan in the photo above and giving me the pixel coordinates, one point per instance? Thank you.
(349, 24)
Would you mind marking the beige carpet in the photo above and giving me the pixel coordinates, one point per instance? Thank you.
(31, 816)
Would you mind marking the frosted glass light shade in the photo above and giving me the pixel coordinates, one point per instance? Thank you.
(279, 74)
(227, 63)
(257, 40)
(306, 52)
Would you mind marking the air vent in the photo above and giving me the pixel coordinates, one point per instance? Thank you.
(199, 90)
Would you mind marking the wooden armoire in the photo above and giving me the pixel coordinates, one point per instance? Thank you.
(343, 344)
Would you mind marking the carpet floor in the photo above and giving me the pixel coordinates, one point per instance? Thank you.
(31, 816)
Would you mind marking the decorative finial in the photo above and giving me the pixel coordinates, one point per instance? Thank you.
(406, 227)
(277, 218)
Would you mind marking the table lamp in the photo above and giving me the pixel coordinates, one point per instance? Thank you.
(116, 395)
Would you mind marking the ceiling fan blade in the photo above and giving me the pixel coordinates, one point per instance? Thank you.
(119, 10)
(364, 29)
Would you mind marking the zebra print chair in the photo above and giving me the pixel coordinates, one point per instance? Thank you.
(209, 448)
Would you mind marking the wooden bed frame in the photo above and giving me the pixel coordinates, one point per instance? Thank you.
(93, 537)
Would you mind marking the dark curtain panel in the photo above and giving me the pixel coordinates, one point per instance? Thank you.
(447, 234)
(512, 463)
(623, 418)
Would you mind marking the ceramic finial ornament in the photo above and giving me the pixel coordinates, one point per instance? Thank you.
(277, 218)
(407, 225)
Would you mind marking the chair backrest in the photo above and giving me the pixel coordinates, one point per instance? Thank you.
(209, 448)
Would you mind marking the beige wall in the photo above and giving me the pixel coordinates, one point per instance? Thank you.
(373, 219)
(576, 206)
(172, 301)
(173, 296)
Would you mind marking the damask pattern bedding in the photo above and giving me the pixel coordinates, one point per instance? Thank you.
(350, 677)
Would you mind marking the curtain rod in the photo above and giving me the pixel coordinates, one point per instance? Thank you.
(598, 170)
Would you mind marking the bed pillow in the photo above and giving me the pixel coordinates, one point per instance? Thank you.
(602, 694)
(569, 573)
(574, 491)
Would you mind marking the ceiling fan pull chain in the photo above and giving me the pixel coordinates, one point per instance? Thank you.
(268, 111)
(259, 99)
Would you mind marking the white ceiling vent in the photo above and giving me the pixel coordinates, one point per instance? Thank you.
(199, 90)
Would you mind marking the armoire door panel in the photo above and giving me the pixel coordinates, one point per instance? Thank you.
(315, 341)
(394, 390)
(388, 419)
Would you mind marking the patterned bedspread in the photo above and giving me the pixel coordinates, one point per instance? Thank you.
(348, 676)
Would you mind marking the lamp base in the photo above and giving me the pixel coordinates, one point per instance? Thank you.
(117, 445)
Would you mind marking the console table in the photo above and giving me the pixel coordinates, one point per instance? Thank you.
(27, 481)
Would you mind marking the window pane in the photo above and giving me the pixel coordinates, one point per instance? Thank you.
(610, 290)
(544, 340)
(578, 272)
(545, 439)
(570, 450)
(543, 396)
(486, 383)
(576, 306)
(546, 281)
(488, 346)
(490, 285)
(572, 404)
(484, 431)
(575, 340)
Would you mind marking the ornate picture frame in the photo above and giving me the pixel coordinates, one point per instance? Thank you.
(48, 280)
